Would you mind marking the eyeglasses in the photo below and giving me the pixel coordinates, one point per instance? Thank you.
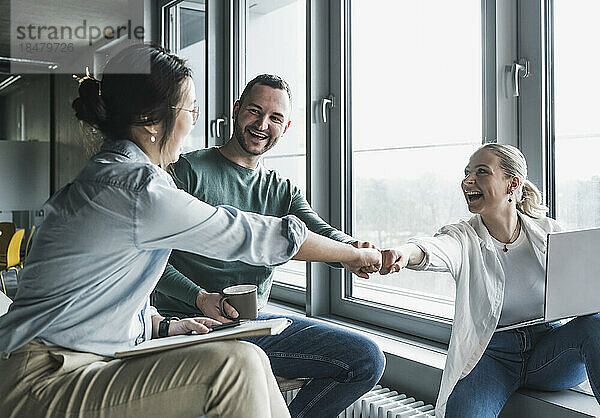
(195, 111)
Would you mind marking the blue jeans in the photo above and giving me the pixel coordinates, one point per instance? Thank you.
(544, 357)
(342, 365)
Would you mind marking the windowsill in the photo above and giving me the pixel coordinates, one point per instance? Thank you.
(415, 366)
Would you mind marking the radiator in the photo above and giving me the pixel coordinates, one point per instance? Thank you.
(381, 402)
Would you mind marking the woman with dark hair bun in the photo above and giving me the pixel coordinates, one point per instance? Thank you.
(101, 249)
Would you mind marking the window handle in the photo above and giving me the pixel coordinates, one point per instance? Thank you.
(326, 101)
(216, 124)
(520, 69)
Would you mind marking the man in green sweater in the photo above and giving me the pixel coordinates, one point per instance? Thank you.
(341, 365)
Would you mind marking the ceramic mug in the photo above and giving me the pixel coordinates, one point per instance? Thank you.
(243, 297)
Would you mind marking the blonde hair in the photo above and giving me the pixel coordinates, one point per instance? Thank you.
(527, 195)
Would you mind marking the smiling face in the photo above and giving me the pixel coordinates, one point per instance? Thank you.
(261, 120)
(183, 123)
(486, 187)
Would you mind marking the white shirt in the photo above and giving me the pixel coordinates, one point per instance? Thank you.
(525, 282)
(467, 252)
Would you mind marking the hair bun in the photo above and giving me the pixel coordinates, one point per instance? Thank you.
(89, 106)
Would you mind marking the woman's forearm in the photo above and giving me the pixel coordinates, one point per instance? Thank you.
(319, 248)
(415, 254)
(359, 261)
(396, 259)
(155, 321)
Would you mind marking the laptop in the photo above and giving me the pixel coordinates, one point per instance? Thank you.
(572, 277)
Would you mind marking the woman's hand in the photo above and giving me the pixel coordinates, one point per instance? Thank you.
(366, 260)
(208, 303)
(394, 260)
(198, 324)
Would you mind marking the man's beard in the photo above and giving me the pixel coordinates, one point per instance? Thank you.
(239, 136)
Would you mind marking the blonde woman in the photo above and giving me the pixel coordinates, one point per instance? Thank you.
(497, 259)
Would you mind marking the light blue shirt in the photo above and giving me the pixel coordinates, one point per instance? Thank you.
(104, 244)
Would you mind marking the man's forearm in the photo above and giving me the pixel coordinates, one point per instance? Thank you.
(176, 285)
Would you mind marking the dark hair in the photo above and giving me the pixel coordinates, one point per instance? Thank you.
(124, 99)
(270, 80)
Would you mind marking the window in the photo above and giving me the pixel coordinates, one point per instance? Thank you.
(283, 54)
(186, 36)
(576, 124)
(417, 87)
(415, 112)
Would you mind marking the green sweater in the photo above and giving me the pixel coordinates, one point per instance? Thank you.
(212, 178)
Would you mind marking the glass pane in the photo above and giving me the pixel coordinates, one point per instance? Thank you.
(577, 126)
(290, 166)
(285, 56)
(192, 26)
(406, 172)
(188, 40)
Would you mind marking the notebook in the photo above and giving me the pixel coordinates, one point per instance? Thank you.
(258, 328)
(5, 302)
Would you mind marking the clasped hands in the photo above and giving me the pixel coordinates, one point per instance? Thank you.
(368, 260)
(371, 260)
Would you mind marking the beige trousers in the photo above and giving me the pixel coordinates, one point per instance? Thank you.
(218, 379)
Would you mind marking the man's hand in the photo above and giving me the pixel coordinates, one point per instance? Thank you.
(198, 324)
(393, 261)
(367, 260)
(208, 303)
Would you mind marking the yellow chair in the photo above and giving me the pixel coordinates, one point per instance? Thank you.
(27, 245)
(13, 255)
(7, 230)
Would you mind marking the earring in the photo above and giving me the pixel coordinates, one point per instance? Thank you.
(511, 196)
(152, 138)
